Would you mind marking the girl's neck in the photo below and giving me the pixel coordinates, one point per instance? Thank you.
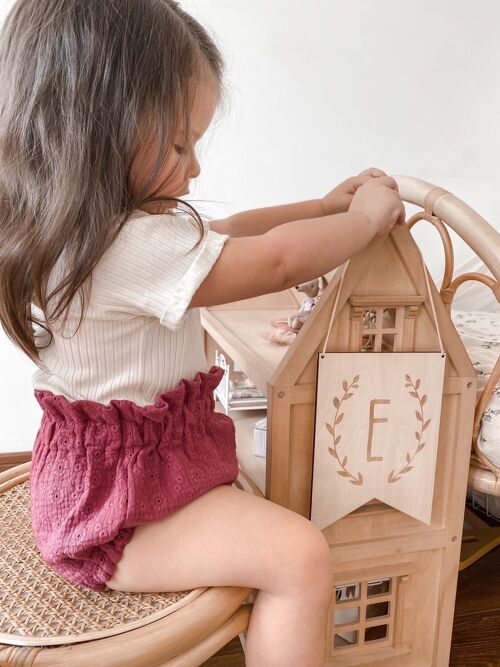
(156, 208)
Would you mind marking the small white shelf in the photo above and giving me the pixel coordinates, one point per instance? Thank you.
(223, 389)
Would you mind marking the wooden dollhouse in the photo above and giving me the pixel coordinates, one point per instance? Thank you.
(395, 549)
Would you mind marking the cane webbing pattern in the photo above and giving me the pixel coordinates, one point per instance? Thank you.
(40, 608)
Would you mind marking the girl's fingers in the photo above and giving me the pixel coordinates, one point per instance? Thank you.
(373, 172)
(389, 181)
(366, 176)
(402, 215)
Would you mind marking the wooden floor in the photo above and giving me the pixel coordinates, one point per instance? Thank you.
(476, 627)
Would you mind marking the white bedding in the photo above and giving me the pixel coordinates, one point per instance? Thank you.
(480, 333)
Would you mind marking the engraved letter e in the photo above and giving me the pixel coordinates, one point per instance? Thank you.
(374, 420)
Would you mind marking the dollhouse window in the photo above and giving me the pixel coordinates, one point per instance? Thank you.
(380, 329)
(362, 615)
(382, 324)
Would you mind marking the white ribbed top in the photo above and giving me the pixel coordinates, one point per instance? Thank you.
(138, 337)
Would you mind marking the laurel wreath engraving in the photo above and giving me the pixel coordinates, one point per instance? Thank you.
(418, 434)
(358, 479)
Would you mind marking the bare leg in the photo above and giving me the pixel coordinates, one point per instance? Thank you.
(228, 537)
(287, 630)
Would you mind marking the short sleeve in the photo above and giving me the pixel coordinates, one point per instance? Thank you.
(149, 269)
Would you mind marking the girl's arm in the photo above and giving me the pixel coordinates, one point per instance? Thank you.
(260, 220)
(287, 255)
(300, 250)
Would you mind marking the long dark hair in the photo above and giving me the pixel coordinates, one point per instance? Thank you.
(82, 82)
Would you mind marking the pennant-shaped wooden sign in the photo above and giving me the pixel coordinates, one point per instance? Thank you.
(376, 432)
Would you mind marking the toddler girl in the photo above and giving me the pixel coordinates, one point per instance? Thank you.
(132, 472)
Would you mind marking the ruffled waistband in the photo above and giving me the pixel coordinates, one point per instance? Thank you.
(195, 393)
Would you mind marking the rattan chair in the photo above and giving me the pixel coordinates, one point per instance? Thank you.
(46, 620)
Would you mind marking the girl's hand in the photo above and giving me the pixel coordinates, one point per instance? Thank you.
(339, 199)
(379, 201)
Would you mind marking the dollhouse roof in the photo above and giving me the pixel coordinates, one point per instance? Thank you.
(390, 266)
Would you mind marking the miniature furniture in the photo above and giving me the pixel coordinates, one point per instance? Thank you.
(47, 621)
(395, 575)
(249, 397)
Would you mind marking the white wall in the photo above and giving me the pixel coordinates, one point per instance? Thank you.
(321, 90)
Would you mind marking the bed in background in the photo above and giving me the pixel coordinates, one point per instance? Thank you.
(479, 331)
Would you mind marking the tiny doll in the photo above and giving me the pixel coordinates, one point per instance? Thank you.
(288, 329)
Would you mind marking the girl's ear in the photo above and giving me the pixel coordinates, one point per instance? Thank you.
(322, 282)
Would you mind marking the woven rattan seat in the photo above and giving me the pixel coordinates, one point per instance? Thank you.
(46, 620)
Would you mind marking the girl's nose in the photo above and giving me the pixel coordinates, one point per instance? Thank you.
(195, 168)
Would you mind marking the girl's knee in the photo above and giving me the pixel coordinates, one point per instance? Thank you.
(313, 564)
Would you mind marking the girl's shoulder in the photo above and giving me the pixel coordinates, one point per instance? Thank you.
(163, 223)
(163, 236)
(155, 265)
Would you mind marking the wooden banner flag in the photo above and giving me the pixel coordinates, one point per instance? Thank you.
(376, 432)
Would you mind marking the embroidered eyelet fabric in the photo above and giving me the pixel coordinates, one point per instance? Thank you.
(100, 470)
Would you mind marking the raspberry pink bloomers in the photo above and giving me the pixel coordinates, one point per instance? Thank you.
(99, 470)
